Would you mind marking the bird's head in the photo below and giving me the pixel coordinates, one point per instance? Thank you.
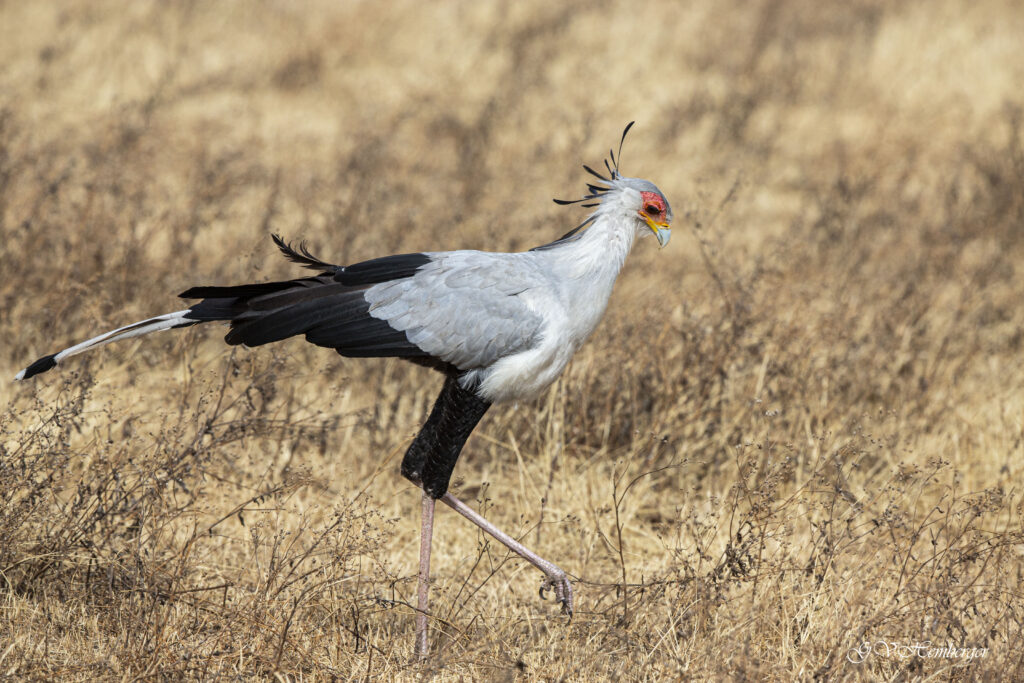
(630, 198)
(644, 202)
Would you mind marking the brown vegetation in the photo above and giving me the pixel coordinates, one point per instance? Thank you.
(799, 428)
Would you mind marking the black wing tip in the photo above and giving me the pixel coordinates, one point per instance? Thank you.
(40, 366)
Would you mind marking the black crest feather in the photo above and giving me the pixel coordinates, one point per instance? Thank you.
(595, 191)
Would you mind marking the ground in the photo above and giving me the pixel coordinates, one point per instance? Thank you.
(792, 450)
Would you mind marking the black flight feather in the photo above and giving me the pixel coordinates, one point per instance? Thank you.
(329, 309)
(382, 269)
(340, 321)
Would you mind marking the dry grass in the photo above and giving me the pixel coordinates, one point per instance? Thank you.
(799, 428)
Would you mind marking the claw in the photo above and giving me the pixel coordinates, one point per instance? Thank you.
(562, 589)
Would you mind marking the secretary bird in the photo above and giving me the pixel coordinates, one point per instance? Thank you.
(499, 327)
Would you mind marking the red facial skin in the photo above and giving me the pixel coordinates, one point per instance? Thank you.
(653, 206)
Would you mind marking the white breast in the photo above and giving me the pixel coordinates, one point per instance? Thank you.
(570, 305)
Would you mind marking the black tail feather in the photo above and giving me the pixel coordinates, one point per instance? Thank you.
(238, 291)
(40, 366)
(330, 309)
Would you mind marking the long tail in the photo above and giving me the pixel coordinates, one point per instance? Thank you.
(161, 322)
(329, 309)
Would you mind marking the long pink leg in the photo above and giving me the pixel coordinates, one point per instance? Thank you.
(423, 601)
(556, 579)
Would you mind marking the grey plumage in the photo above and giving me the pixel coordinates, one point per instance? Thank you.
(463, 307)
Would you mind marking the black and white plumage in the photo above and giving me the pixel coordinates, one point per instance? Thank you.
(500, 326)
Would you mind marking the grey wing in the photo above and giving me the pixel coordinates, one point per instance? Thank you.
(464, 307)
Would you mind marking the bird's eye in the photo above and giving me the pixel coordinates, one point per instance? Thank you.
(651, 210)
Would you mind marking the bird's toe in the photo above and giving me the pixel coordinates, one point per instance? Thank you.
(559, 584)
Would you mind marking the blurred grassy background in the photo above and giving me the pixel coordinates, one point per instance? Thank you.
(799, 428)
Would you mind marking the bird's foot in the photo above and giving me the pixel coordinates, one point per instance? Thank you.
(556, 580)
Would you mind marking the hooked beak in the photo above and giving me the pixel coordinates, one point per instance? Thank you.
(661, 230)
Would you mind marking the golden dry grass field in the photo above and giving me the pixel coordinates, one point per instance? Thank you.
(797, 431)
